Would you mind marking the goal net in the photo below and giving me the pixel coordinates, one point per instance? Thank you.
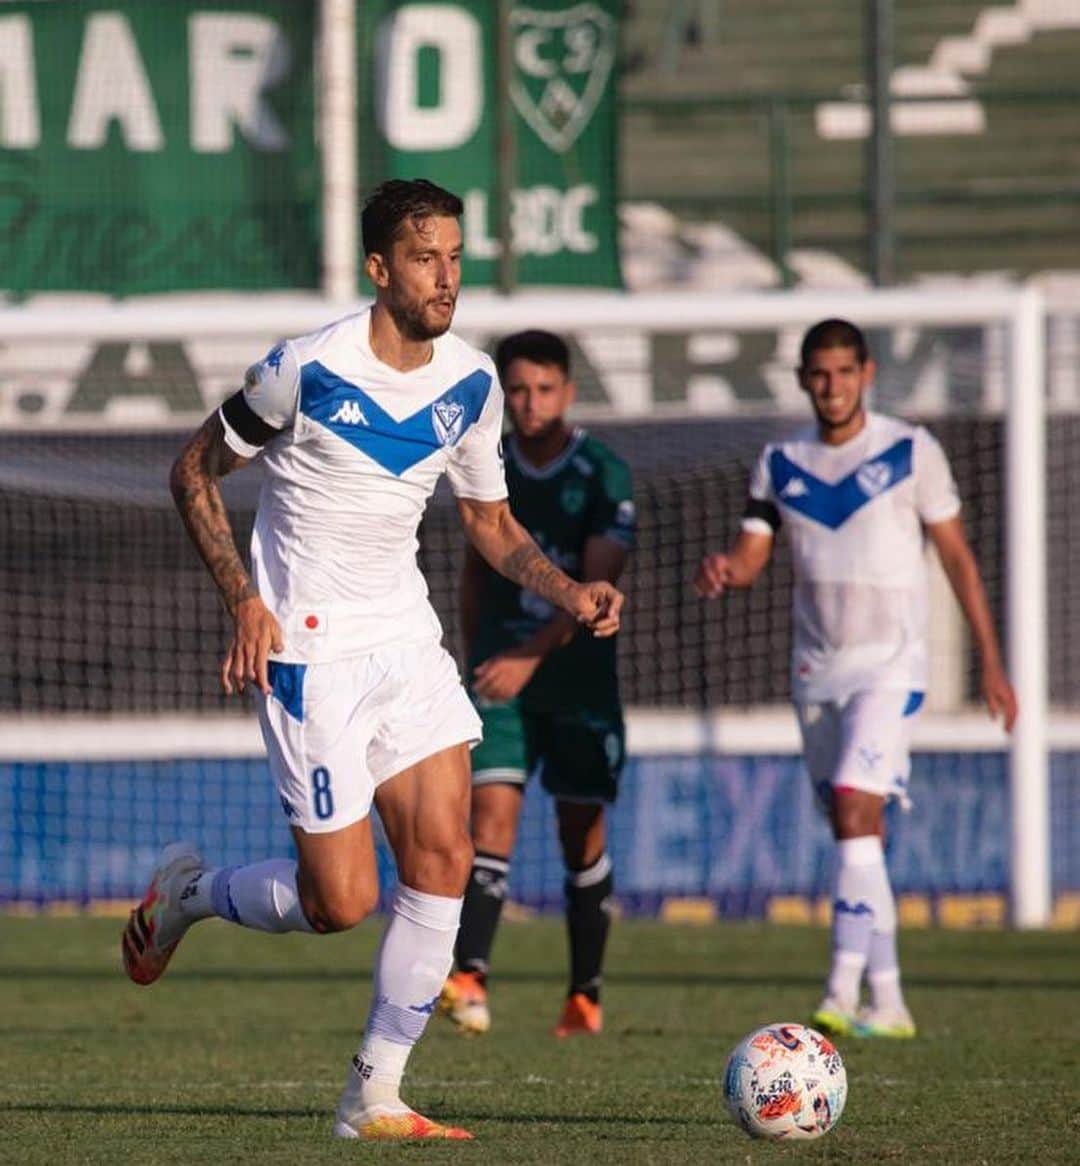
(116, 739)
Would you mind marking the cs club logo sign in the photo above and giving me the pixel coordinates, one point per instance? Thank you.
(563, 63)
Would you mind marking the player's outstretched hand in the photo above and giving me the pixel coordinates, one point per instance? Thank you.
(712, 576)
(501, 678)
(999, 696)
(257, 633)
(598, 606)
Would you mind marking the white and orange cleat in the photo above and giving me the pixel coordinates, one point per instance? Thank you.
(384, 1123)
(156, 926)
(464, 1000)
(376, 1113)
(580, 1017)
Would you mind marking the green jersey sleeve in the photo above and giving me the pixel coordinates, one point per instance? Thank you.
(612, 513)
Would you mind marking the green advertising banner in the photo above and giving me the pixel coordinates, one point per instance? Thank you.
(150, 146)
(433, 113)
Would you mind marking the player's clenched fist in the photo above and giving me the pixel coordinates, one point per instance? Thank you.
(599, 606)
(713, 576)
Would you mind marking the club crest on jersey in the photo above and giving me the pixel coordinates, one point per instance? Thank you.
(573, 497)
(873, 477)
(447, 418)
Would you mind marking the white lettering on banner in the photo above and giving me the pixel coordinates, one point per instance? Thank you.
(527, 53)
(112, 86)
(20, 123)
(234, 59)
(455, 35)
(478, 243)
(543, 221)
(633, 369)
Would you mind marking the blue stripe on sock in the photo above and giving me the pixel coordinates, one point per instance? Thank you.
(403, 1026)
(220, 898)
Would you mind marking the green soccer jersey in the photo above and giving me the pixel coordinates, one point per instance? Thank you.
(585, 491)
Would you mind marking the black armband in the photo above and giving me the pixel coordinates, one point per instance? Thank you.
(245, 422)
(766, 511)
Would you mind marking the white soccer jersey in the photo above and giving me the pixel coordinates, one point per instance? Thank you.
(353, 451)
(855, 515)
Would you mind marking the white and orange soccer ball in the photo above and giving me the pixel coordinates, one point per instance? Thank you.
(785, 1081)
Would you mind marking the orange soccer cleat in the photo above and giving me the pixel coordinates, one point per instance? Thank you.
(464, 1000)
(580, 1015)
(400, 1126)
(156, 926)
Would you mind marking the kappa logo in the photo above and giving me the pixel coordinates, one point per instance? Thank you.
(447, 417)
(796, 488)
(869, 756)
(563, 63)
(873, 477)
(350, 413)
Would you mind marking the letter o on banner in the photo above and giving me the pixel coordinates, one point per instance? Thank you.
(455, 34)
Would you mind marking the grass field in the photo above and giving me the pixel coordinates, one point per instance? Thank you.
(237, 1055)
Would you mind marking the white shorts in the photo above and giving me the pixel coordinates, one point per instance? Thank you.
(335, 731)
(861, 743)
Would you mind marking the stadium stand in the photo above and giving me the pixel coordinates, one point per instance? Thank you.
(1012, 183)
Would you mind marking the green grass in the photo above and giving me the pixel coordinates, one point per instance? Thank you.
(237, 1056)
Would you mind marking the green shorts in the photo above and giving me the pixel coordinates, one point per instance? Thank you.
(579, 756)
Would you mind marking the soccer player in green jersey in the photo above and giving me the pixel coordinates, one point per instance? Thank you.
(548, 695)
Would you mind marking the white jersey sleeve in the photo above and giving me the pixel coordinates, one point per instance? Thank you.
(762, 515)
(475, 469)
(936, 496)
(266, 405)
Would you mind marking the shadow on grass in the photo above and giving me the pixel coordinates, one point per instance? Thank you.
(230, 1111)
(718, 979)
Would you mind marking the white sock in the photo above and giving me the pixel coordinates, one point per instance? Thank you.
(862, 895)
(411, 967)
(883, 972)
(262, 896)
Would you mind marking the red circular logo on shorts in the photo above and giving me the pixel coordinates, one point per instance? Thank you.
(312, 621)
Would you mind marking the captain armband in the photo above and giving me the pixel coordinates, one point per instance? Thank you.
(761, 515)
(245, 430)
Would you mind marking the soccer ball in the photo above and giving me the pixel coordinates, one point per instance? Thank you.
(785, 1081)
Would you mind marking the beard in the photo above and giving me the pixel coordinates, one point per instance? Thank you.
(410, 317)
(828, 422)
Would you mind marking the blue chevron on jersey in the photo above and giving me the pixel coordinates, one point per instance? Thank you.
(354, 416)
(833, 503)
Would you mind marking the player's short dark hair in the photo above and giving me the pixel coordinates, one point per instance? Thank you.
(833, 334)
(401, 200)
(536, 345)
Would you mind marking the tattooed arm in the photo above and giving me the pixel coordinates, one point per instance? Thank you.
(194, 483)
(508, 547)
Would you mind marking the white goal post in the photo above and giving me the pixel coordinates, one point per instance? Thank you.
(1017, 314)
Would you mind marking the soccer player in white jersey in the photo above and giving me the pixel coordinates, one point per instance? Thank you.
(859, 493)
(359, 704)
